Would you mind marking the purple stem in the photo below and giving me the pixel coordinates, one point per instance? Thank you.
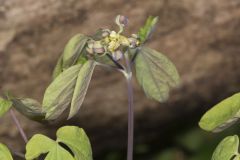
(20, 129)
(130, 110)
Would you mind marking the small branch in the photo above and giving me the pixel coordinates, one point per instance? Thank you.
(130, 109)
(134, 56)
(109, 66)
(115, 62)
(20, 129)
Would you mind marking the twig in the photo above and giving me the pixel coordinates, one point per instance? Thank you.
(20, 129)
(115, 62)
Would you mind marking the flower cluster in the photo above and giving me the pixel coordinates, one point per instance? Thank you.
(113, 42)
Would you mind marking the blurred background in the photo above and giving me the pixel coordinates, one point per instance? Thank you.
(201, 37)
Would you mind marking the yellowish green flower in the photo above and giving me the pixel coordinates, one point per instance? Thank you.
(112, 42)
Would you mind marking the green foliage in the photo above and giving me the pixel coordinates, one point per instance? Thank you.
(40, 144)
(69, 87)
(73, 50)
(5, 154)
(227, 149)
(155, 73)
(29, 108)
(73, 137)
(222, 115)
(5, 105)
(76, 139)
(83, 80)
(58, 68)
(59, 93)
(145, 32)
(71, 54)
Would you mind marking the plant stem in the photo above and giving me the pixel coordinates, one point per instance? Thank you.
(130, 110)
(21, 155)
(20, 129)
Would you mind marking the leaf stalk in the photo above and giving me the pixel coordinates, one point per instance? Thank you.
(19, 127)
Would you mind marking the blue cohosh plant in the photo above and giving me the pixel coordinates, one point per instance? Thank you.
(72, 74)
(219, 118)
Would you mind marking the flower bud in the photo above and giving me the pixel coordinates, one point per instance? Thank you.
(98, 47)
(134, 36)
(121, 20)
(105, 33)
(117, 55)
(133, 42)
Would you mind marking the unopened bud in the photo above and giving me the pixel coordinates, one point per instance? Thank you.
(117, 55)
(133, 42)
(134, 36)
(105, 33)
(121, 20)
(98, 48)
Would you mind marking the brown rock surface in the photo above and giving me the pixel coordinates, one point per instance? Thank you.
(201, 37)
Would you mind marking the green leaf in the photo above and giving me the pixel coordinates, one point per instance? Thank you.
(40, 144)
(59, 93)
(76, 139)
(72, 54)
(30, 108)
(73, 137)
(58, 68)
(73, 50)
(155, 73)
(5, 105)
(227, 148)
(145, 32)
(5, 154)
(83, 80)
(222, 115)
(69, 87)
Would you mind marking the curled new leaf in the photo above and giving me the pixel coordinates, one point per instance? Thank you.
(5, 105)
(5, 154)
(155, 73)
(147, 29)
(73, 137)
(227, 149)
(222, 115)
(30, 108)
